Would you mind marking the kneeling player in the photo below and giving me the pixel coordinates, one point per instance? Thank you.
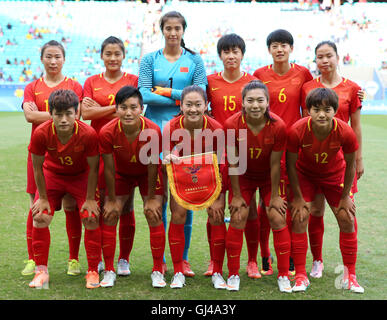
(65, 160)
(265, 140)
(321, 156)
(126, 166)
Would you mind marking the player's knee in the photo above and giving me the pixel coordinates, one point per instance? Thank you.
(41, 220)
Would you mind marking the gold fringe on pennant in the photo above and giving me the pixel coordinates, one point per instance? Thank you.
(190, 206)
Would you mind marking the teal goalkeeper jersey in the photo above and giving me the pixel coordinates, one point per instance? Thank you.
(156, 70)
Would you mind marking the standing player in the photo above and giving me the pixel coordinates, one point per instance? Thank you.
(350, 95)
(265, 140)
(36, 111)
(65, 160)
(193, 122)
(162, 77)
(121, 143)
(284, 81)
(224, 95)
(321, 156)
(99, 106)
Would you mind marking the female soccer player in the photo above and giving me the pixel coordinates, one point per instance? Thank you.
(120, 144)
(195, 124)
(265, 136)
(350, 96)
(284, 81)
(321, 156)
(65, 157)
(224, 95)
(99, 106)
(36, 111)
(163, 75)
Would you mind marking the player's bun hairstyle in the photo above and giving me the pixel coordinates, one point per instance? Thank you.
(328, 43)
(230, 41)
(322, 97)
(52, 43)
(281, 36)
(127, 92)
(176, 15)
(113, 40)
(62, 100)
(257, 84)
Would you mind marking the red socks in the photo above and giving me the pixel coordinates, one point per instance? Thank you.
(264, 234)
(176, 245)
(218, 244)
(234, 242)
(282, 245)
(41, 245)
(348, 247)
(208, 228)
(74, 232)
(252, 238)
(93, 248)
(29, 227)
(316, 233)
(157, 243)
(127, 228)
(299, 250)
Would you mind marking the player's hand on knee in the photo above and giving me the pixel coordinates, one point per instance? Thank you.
(236, 206)
(41, 206)
(153, 209)
(278, 204)
(299, 209)
(111, 210)
(92, 208)
(348, 206)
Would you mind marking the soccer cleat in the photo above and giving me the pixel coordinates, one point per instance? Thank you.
(267, 269)
(292, 271)
(252, 270)
(101, 267)
(351, 284)
(123, 267)
(29, 269)
(73, 268)
(187, 269)
(158, 280)
(210, 269)
(233, 283)
(218, 281)
(302, 283)
(317, 269)
(92, 280)
(284, 284)
(178, 281)
(41, 278)
(109, 277)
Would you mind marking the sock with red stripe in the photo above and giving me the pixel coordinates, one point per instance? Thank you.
(252, 238)
(316, 234)
(127, 228)
(234, 242)
(282, 246)
(299, 250)
(92, 242)
(41, 245)
(348, 247)
(74, 232)
(218, 244)
(176, 245)
(30, 222)
(264, 231)
(157, 243)
(109, 241)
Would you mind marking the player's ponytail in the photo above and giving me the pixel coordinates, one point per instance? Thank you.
(176, 15)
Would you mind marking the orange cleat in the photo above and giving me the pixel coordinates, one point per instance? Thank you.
(41, 279)
(252, 270)
(92, 280)
(210, 269)
(187, 269)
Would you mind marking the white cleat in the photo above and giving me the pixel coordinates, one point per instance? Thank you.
(218, 281)
(351, 284)
(123, 267)
(317, 269)
(302, 283)
(284, 284)
(158, 280)
(178, 281)
(109, 278)
(233, 283)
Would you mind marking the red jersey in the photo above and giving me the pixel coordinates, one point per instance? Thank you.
(346, 90)
(321, 159)
(37, 91)
(209, 145)
(112, 140)
(69, 159)
(272, 137)
(104, 93)
(285, 91)
(225, 97)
